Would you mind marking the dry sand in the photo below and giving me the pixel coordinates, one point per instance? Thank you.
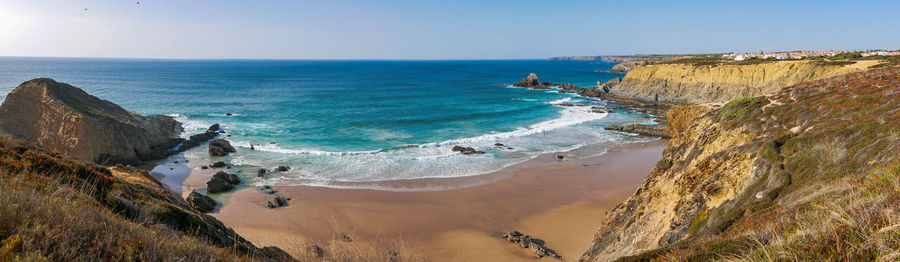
(560, 202)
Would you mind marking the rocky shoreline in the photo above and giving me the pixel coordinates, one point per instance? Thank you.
(602, 91)
(86, 128)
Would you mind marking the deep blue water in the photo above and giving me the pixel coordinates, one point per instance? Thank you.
(353, 120)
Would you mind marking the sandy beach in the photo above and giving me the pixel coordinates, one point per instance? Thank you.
(557, 201)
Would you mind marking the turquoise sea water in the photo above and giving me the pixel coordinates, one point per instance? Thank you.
(354, 121)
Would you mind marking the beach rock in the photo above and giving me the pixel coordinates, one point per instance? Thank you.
(277, 201)
(268, 190)
(560, 157)
(282, 168)
(220, 147)
(201, 202)
(532, 81)
(65, 119)
(204, 167)
(218, 184)
(231, 178)
(466, 150)
(499, 145)
(261, 172)
(526, 241)
(218, 164)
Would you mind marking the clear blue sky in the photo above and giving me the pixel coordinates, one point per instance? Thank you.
(323, 29)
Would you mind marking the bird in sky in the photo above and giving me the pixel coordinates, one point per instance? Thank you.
(138, 2)
(85, 9)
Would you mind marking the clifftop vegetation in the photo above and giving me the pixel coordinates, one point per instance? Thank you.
(809, 173)
(56, 209)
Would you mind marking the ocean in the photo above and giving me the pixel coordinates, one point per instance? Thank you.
(340, 122)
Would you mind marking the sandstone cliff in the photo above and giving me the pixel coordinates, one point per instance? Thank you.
(65, 119)
(685, 82)
(808, 173)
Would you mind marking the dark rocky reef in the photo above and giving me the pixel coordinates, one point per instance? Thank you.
(466, 150)
(65, 119)
(196, 140)
(658, 131)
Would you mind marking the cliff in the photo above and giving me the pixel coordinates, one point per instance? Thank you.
(56, 209)
(67, 120)
(693, 83)
(807, 173)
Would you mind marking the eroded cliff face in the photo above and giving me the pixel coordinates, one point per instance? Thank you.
(719, 83)
(65, 119)
(750, 173)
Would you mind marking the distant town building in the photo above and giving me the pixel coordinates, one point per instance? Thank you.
(801, 54)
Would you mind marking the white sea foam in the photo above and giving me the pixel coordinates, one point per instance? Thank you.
(190, 126)
(568, 116)
(572, 129)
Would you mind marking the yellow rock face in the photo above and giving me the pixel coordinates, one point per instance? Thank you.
(720, 83)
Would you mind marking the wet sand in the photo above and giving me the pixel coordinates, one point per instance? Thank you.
(560, 202)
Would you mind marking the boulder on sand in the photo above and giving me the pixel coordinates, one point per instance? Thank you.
(201, 202)
(526, 241)
(277, 201)
(231, 178)
(221, 182)
(220, 147)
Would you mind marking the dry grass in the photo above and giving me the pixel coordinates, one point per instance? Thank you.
(63, 224)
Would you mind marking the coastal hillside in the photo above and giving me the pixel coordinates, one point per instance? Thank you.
(807, 173)
(65, 119)
(56, 209)
(683, 81)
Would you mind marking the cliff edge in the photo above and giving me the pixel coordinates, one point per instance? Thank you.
(65, 119)
(702, 83)
(807, 173)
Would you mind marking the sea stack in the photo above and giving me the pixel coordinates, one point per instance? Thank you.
(532, 81)
(68, 120)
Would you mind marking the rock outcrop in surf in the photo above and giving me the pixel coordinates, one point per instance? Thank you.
(68, 120)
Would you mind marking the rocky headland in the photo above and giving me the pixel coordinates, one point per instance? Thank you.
(59, 174)
(65, 119)
(804, 173)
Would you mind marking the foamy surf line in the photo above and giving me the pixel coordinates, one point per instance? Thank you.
(569, 116)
